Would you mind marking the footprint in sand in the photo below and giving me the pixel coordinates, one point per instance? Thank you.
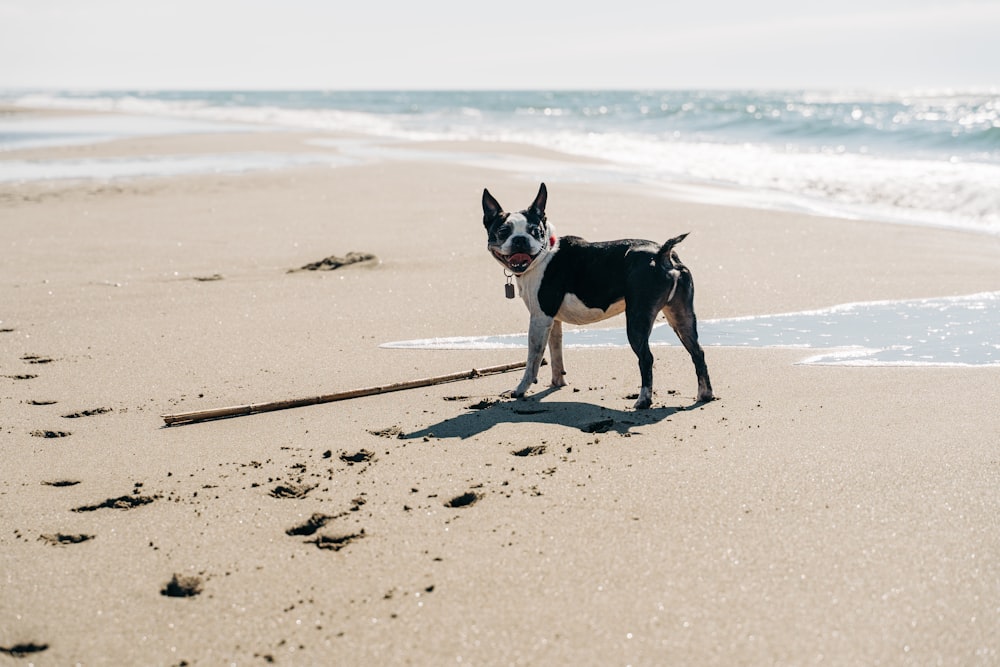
(361, 456)
(388, 432)
(182, 586)
(336, 542)
(312, 524)
(292, 490)
(35, 359)
(23, 650)
(465, 500)
(50, 434)
(62, 539)
(119, 503)
(61, 482)
(87, 413)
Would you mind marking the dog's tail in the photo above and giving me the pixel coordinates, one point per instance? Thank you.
(667, 249)
(669, 260)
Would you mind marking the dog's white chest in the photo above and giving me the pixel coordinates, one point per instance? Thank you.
(574, 311)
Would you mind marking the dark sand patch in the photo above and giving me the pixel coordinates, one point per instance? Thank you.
(208, 279)
(50, 434)
(536, 450)
(334, 262)
(21, 376)
(61, 482)
(119, 503)
(465, 500)
(182, 586)
(41, 402)
(483, 404)
(59, 539)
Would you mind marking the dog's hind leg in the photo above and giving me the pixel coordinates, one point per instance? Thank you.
(556, 352)
(680, 314)
(538, 336)
(639, 324)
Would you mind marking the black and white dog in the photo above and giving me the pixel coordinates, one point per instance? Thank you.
(571, 280)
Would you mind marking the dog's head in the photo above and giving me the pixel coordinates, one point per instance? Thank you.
(517, 239)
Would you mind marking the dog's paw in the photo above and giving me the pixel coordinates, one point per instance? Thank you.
(523, 387)
(645, 400)
(558, 381)
(705, 394)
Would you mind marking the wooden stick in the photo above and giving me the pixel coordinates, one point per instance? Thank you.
(253, 408)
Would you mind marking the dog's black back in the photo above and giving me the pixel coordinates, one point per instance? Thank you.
(604, 273)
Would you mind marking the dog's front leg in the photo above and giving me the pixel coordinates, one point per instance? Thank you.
(538, 336)
(556, 352)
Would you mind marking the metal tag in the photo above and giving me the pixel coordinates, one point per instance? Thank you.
(509, 290)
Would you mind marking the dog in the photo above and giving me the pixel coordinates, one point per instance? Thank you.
(570, 280)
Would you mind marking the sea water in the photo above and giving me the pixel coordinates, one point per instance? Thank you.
(920, 157)
(954, 331)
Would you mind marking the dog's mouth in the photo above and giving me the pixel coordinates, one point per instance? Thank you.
(517, 262)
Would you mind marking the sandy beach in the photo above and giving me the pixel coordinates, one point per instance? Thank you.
(811, 514)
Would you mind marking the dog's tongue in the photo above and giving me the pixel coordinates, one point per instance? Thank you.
(520, 258)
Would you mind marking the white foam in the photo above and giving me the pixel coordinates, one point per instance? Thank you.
(166, 165)
(27, 131)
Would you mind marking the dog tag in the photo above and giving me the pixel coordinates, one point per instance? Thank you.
(509, 290)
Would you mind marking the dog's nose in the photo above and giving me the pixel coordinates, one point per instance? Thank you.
(520, 244)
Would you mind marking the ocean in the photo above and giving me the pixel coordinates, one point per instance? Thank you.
(918, 157)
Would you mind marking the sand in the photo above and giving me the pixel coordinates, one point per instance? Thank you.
(810, 515)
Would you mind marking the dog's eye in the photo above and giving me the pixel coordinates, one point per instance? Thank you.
(503, 233)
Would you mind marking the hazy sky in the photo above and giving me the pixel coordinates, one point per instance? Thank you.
(368, 44)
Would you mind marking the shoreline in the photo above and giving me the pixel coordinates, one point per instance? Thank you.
(580, 163)
(811, 513)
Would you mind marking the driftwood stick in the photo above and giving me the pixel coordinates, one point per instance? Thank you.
(253, 408)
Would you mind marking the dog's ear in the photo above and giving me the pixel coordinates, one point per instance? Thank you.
(538, 206)
(491, 207)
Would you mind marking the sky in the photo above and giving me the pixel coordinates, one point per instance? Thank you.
(514, 44)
